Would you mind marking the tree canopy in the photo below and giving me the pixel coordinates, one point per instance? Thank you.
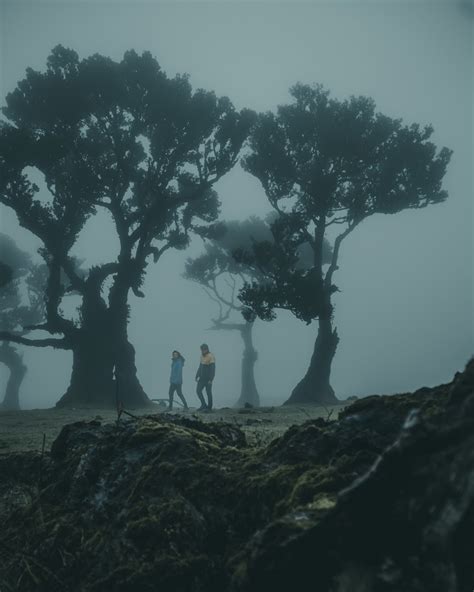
(120, 137)
(327, 163)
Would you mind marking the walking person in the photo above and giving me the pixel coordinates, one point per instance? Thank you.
(176, 378)
(204, 377)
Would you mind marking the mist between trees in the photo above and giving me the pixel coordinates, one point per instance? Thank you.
(125, 138)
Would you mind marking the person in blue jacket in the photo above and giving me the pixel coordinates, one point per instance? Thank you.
(176, 378)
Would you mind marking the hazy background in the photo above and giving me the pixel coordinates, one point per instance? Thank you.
(405, 310)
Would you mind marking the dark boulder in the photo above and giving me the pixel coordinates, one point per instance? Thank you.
(406, 524)
(380, 500)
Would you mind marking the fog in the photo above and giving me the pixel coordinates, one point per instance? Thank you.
(404, 312)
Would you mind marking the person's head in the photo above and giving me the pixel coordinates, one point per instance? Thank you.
(204, 349)
(176, 355)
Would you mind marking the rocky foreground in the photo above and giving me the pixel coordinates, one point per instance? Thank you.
(380, 500)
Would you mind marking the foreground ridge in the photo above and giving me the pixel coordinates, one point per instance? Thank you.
(381, 499)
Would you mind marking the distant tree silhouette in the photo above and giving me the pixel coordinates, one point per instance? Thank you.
(329, 164)
(6, 274)
(221, 277)
(124, 138)
(18, 312)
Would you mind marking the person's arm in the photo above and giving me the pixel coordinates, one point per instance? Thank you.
(212, 369)
(198, 373)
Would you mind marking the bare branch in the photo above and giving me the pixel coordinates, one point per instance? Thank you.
(335, 253)
(208, 290)
(56, 343)
(337, 220)
(157, 253)
(218, 326)
(77, 283)
(328, 413)
(138, 293)
(54, 291)
(230, 303)
(42, 327)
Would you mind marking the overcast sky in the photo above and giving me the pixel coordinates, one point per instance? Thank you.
(405, 310)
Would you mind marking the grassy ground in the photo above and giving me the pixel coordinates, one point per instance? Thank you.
(24, 430)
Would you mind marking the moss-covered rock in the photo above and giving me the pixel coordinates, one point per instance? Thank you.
(381, 499)
(406, 524)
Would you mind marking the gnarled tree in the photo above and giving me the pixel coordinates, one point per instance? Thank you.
(21, 306)
(328, 164)
(124, 138)
(221, 276)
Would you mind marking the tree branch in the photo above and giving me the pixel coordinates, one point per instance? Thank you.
(157, 253)
(49, 342)
(42, 327)
(230, 303)
(98, 275)
(53, 293)
(77, 283)
(335, 253)
(227, 326)
(337, 220)
(216, 300)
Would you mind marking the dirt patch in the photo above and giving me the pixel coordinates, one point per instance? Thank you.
(24, 430)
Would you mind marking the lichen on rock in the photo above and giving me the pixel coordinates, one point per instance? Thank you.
(381, 499)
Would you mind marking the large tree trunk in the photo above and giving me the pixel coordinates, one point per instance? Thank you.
(92, 383)
(129, 391)
(248, 393)
(315, 387)
(100, 345)
(14, 362)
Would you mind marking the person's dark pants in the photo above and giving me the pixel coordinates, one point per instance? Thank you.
(199, 388)
(179, 392)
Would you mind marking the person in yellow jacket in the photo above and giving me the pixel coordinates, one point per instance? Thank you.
(204, 377)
